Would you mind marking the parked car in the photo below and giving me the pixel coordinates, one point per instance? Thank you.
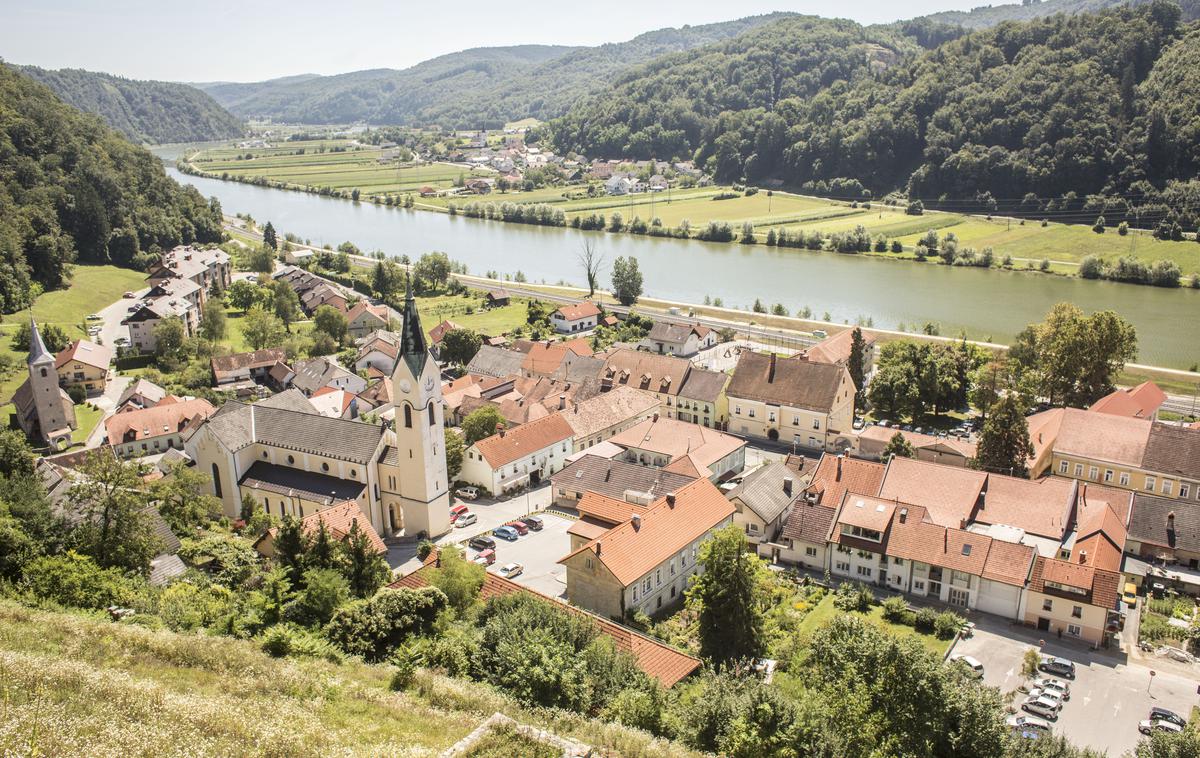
(1054, 695)
(482, 542)
(1130, 595)
(95, 317)
(973, 666)
(129, 294)
(466, 493)
(465, 519)
(121, 341)
(93, 331)
(1045, 707)
(457, 510)
(1057, 666)
(519, 527)
(485, 557)
(1162, 714)
(1150, 725)
(1028, 726)
(506, 533)
(534, 522)
(509, 570)
(1046, 683)
(858, 423)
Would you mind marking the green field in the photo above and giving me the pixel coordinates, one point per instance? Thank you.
(824, 612)
(492, 322)
(92, 288)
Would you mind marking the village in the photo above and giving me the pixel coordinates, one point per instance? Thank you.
(593, 477)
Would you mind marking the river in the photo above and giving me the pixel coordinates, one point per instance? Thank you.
(986, 304)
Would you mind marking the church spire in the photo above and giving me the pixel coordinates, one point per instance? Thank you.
(37, 348)
(413, 348)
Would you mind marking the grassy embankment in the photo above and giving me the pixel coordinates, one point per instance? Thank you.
(1062, 244)
(72, 684)
(92, 288)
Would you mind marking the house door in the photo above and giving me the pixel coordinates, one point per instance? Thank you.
(958, 597)
(1043, 624)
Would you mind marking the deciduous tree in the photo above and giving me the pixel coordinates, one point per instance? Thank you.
(212, 321)
(626, 280)
(728, 598)
(331, 321)
(261, 328)
(460, 346)
(481, 423)
(1004, 445)
(112, 505)
(898, 445)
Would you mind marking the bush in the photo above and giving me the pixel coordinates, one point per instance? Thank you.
(925, 619)
(277, 642)
(1156, 629)
(404, 669)
(1091, 267)
(76, 581)
(895, 609)
(77, 394)
(854, 596)
(374, 628)
(947, 625)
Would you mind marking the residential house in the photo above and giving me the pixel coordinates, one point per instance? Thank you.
(576, 318)
(549, 358)
(312, 375)
(702, 400)
(339, 520)
(617, 185)
(496, 362)
(763, 501)
(338, 403)
(496, 298)
(658, 183)
(521, 400)
(1142, 401)
(952, 451)
(155, 430)
(143, 322)
(141, 394)
(613, 478)
(681, 447)
(644, 564)
(600, 417)
(810, 405)
(835, 350)
(439, 332)
(1165, 534)
(323, 294)
(246, 367)
(522, 457)
(658, 660)
(662, 375)
(363, 319)
(804, 539)
(84, 364)
(378, 350)
(682, 340)
(1134, 454)
(209, 269)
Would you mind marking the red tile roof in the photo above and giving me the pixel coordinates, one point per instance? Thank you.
(1142, 401)
(586, 309)
(948, 493)
(605, 508)
(438, 333)
(338, 520)
(835, 476)
(507, 446)
(657, 659)
(167, 417)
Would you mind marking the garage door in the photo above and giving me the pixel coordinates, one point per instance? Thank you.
(999, 599)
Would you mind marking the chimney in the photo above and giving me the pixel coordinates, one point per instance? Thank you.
(787, 486)
(637, 521)
(500, 429)
(656, 417)
(562, 403)
(1171, 521)
(839, 469)
(1083, 492)
(903, 515)
(597, 549)
(1083, 556)
(771, 370)
(671, 500)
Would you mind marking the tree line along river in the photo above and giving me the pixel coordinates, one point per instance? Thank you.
(986, 303)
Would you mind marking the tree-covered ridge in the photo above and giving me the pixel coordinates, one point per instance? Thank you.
(1029, 118)
(986, 16)
(144, 111)
(73, 189)
(478, 88)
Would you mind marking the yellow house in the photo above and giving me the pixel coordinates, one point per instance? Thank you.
(807, 404)
(84, 364)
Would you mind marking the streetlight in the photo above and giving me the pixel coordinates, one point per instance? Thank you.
(1153, 674)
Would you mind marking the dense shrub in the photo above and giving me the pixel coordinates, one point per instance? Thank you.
(925, 619)
(894, 609)
(854, 596)
(76, 581)
(374, 628)
(947, 624)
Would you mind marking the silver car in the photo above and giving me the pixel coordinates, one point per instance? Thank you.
(1043, 706)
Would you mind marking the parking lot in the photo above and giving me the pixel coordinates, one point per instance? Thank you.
(1108, 695)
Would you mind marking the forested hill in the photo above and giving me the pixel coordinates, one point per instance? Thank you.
(483, 87)
(144, 111)
(1028, 117)
(990, 15)
(73, 189)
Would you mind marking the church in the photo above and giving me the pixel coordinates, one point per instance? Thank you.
(44, 410)
(292, 461)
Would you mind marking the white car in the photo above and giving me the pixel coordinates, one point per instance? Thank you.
(95, 317)
(1053, 685)
(973, 666)
(1054, 695)
(1028, 725)
(509, 570)
(1045, 707)
(465, 519)
(1148, 726)
(466, 493)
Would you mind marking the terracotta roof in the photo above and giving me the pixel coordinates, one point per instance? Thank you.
(657, 659)
(923, 541)
(609, 509)
(146, 389)
(264, 358)
(1142, 401)
(1099, 536)
(790, 382)
(665, 374)
(1043, 506)
(618, 405)
(437, 333)
(1173, 450)
(574, 312)
(507, 446)
(809, 522)
(1009, 562)
(835, 349)
(547, 357)
(882, 435)
(588, 528)
(835, 476)
(338, 521)
(380, 312)
(164, 418)
(948, 493)
(631, 550)
(676, 439)
(87, 352)
(665, 331)
(869, 512)
(1092, 436)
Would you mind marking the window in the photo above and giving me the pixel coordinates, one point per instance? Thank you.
(634, 589)
(816, 423)
(1078, 469)
(646, 585)
(1167, 486)
(1184, 489)
(1124, 479)
(770, 415)
(1150, 482)
(1073, 630)
(1076, 612)
(291, 459)
(658, 577)
(737, 410)
(812, 442)
(1092, 472)
(898, 561)
(324, 466)
(432, 418)
(842, 566)
(407, 417)
(1047, 605)
(863, 571)
(752, 528)
(918, 586)
(750, 413)
(811, 552)
(1063, 466)
(1108, 475)
(216, 476)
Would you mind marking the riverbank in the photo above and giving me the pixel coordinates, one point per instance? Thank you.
(723, 215)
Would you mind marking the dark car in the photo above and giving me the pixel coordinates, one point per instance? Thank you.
(506, 533)
(482, 542)
(519, 527)
(1057, 666)
(1162, 714)
(534, 523)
